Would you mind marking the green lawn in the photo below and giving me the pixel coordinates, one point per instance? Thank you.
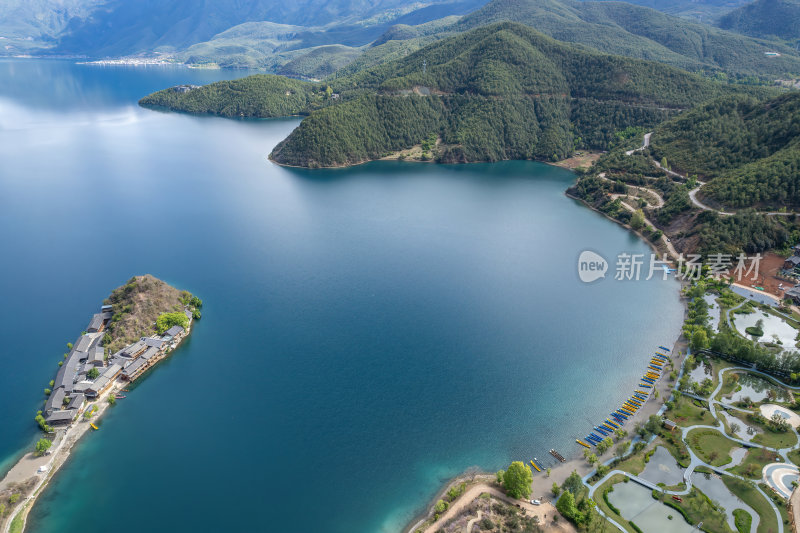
(754, 462)
(711, 446)
(780, 503)
(686, 413)
(17, 523)
(794, 456)
(634, 463)
(749, 495)
(730, 380)
(743, 520)
(698, 508)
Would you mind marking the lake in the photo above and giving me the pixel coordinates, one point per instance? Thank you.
(367, 333)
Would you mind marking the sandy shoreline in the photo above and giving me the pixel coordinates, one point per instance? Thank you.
(27, 468)
(542, 484)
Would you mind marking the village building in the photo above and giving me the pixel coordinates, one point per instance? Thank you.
(61, 418)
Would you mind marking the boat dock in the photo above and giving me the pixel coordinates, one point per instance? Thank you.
(640, 395)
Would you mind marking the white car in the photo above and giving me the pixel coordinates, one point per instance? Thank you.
(536, 502)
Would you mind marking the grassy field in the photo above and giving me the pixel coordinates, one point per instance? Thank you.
(711, 446)
(634, 463)
(743, 520)
(780, 503)
(696, 508)
(794, 456)
(753, 463)
(749, 495)
(730, 381)
(17, 523)
(686, 413)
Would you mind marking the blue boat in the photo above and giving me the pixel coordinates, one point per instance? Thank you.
(645, 385)
(603, 431)
(663, 348)
(612, 424)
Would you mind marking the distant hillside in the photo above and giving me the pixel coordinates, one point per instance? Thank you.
(498, 92)
(766, 19)
(633, 31)
(748, 148)
(262, 95)
(120, 27)
(701, 10)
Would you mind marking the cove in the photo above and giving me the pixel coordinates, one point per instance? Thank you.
(367, 333)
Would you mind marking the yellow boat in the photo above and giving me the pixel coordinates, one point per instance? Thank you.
(94, 427)
(582, 443)
(536, 467)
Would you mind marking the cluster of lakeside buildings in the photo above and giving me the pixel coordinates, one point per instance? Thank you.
(791, 269)
(73, 386)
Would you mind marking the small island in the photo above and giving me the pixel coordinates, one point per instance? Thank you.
(138, 325)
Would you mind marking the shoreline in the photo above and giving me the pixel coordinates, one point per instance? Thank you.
(542, 483)
(63, 445)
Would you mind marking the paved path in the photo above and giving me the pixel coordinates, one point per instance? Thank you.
(772, 477)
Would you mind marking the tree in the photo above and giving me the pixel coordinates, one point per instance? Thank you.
(42, 446)
(112, 400)
(47, 392)
(556, 489)
(93, 373)
(517, 480)
(620, 433)
(653, 424)
(604, 445)
(441, 506)
(167, 320)
(573, 483)
(566, 506)
(14, 498)
(637, 220)
(590, 458)
(622, 449)
(735, 428)
(602, 470)
(500, 474)
(699, 339)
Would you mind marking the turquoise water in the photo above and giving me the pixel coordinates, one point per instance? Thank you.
(367, 333)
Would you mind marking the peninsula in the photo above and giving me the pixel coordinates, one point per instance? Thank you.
(138, 325)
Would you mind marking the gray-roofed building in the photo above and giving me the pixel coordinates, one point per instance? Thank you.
(794, 294)
(174, 331)
(79, 356)
(66, 375)
(792, 262)
(134, 350)
(158, 342)
(81, 386)
(148, 353)
(55, 400)
(61, 418)
(112, 371)
(83, 343)
(188, 314)
(96, 324)
(96, 356)
(76, 402)
(133, 368)
(97, 388)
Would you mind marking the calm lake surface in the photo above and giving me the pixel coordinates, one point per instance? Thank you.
(367, 333)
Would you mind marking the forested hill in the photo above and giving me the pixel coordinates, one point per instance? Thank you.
(766, 18)
(261, 95)
(624, 29)
(502, 91)
(749, 149)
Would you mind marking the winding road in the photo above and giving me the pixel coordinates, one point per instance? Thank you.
(696, 461)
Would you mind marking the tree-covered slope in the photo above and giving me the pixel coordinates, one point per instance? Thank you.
(262, 95)
(624, 29)
(749, 148)
(502, 91)
(766, 18)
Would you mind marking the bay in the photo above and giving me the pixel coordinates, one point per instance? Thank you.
(367, 333)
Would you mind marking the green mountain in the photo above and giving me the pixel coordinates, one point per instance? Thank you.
(700, 10)
(640, 32)
(262, 95)
(766, 19)
(27, 25)
(502, 91)
(748, 148)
